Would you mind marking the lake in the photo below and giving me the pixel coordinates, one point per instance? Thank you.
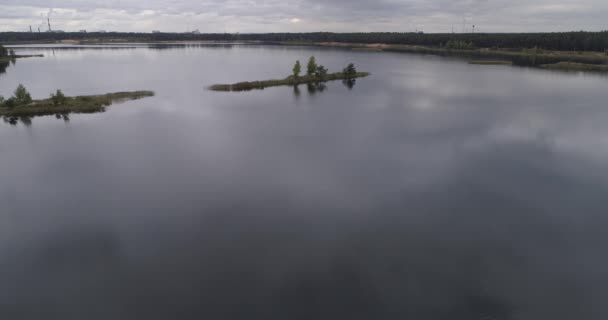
(432, 189)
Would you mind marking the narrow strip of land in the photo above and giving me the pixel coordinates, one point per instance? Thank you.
(19, 56)
(573, 66)
(67, 105)
(289, 81)
(491, 62)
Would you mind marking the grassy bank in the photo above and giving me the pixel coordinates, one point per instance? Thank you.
(491, 62)
(289, 81)
(79, 104)
(571, 66)
(531, 58)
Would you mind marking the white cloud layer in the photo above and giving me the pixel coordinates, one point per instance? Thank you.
(306, 15)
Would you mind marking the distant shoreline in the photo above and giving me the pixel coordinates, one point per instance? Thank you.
(555, 41)
(529, 57)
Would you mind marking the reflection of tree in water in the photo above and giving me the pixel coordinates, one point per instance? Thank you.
(13, 120)
(27, 121)
(4, 64)
(349, 83)
(316, 87)
(65, 117)
(10, 120)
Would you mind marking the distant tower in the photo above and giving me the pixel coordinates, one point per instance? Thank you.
(464, 21)
(48, 20)
(473, 28)
(30, 29)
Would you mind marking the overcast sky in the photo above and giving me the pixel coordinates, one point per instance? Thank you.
(306, 15)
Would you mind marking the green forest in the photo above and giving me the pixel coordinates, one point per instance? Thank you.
(566, 41)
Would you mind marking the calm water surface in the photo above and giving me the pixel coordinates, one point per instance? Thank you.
(433, 189)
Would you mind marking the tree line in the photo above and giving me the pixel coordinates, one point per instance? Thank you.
(318, 71)
(22, 97)
(566, 41)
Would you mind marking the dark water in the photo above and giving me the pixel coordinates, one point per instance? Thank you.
(431, 190)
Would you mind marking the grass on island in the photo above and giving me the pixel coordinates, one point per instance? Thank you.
(492, 62)
(289, 81)
(573, 66)
(79, 104)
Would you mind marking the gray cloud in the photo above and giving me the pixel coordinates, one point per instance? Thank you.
(307, 15)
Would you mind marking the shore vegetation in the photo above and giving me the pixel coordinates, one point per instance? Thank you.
(572, 66)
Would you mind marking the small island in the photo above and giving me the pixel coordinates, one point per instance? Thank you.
(21, 103)
(315, 74)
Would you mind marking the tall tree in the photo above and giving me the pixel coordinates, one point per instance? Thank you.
(58, 98)
(321, 72)
(311, 68)
(350, 70)
(297, 69)
(22, 97)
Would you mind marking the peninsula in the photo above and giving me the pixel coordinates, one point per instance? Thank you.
(7, 55)
(22, 105)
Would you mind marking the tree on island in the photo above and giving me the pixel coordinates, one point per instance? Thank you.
(58, 98)
(297, 69)
(11, 53)
(3, 51)
(22, 97)
(321, 72)
(311, 68)
(350, 71)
